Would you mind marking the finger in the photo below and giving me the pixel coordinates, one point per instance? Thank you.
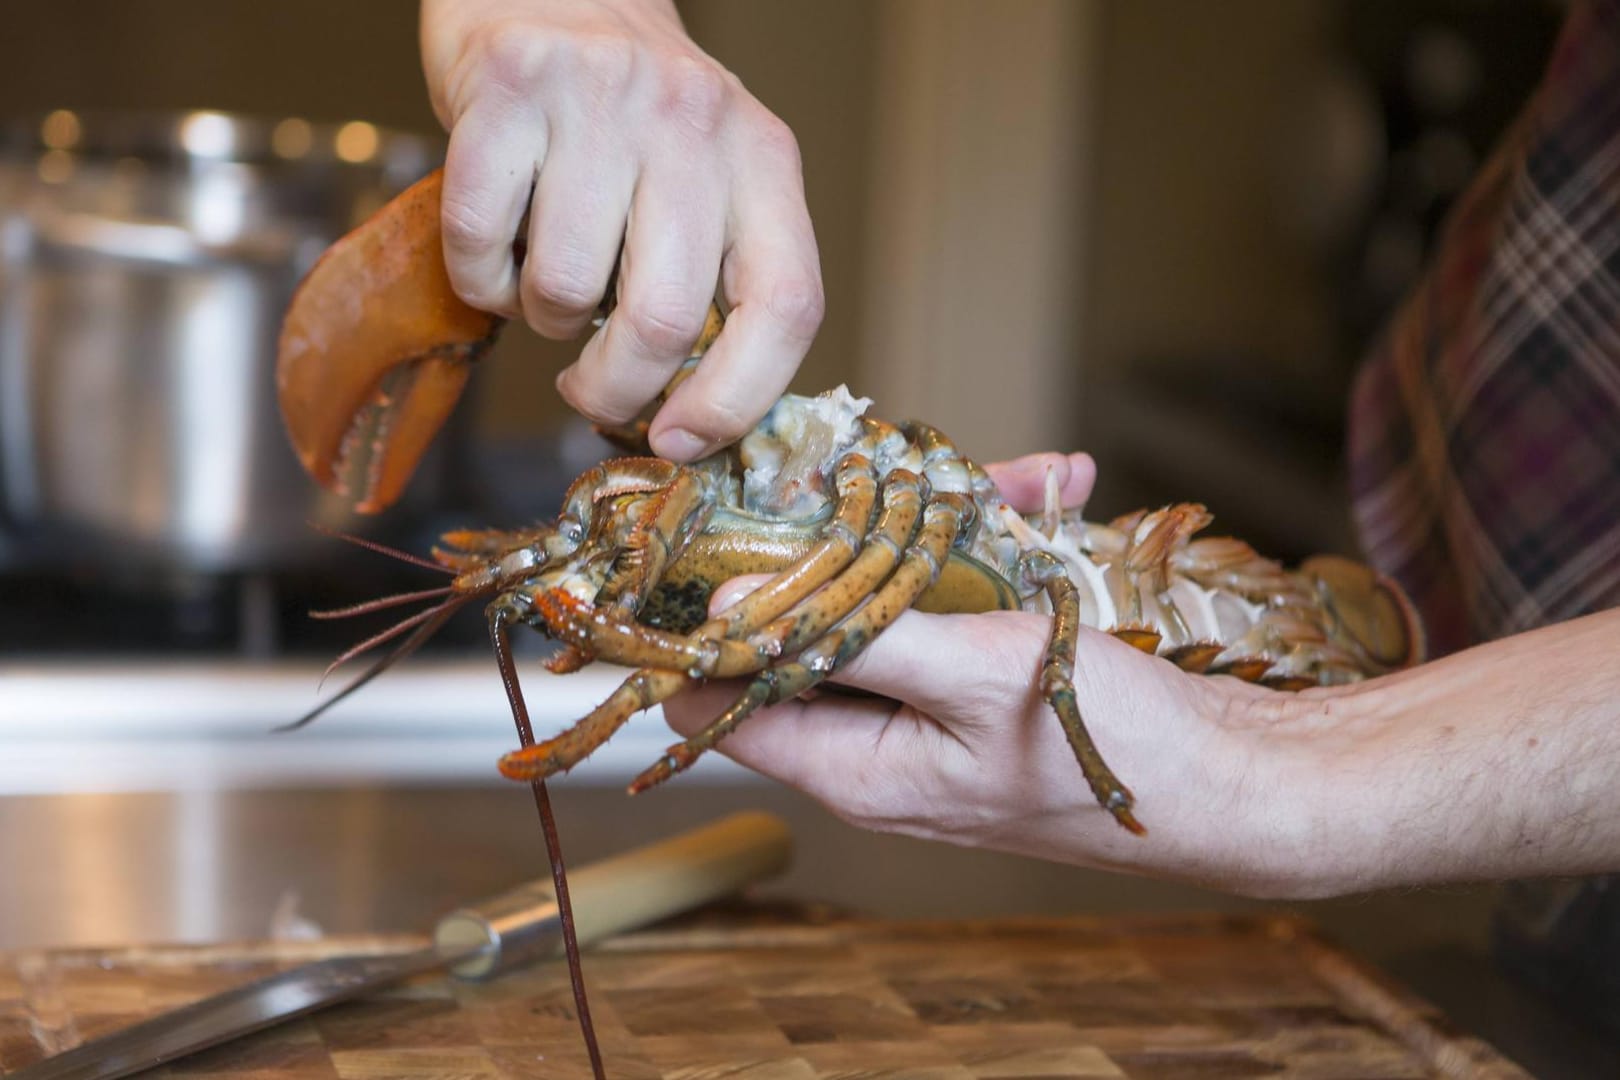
(489, 170)
(773, 285)
(825, 750)
(783, 742)
(576, 225)
(906, 661)
(963, 666)
(666, 284)
(1022, 481)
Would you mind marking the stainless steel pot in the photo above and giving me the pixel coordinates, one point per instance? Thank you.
(145, 262)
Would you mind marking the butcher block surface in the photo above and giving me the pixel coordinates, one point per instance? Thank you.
(1204, 997)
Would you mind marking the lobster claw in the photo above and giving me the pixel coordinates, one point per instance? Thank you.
(375, 351)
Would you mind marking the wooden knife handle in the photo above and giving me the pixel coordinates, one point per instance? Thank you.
(617, 894)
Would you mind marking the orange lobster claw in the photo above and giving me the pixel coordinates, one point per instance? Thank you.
(375, 350)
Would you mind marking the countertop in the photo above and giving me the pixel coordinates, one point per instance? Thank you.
(109, 868)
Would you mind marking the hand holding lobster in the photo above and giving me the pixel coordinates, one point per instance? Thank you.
(958, 745)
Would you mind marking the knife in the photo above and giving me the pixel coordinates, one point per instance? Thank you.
(475, 942)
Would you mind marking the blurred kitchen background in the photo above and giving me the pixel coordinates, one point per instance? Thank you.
(1157, 230)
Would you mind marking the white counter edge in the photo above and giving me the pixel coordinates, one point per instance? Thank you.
(164, 725)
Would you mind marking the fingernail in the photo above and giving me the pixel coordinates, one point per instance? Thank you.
(678, 444)
(1040, 465)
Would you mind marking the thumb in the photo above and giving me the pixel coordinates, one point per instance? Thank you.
(1023, 481)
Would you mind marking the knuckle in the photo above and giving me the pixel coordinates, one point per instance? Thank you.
(797, 303)
(517, 54)
(695, 92)
(511, 53)
(664, 326)
(593, 400)
(469, 235)
(605, 62)
(468, 223)
(777, 141)
(555, 284)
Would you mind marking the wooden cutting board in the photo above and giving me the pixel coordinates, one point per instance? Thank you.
(1204, 997)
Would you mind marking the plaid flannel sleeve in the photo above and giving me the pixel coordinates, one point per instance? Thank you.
(1485, 431)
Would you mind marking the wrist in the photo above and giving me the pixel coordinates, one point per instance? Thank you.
(1369, 763)
(1310, 819)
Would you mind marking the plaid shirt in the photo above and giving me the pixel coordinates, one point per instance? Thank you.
(1485, 438)
(1485, 432)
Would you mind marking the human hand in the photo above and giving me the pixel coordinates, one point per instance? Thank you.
(603, 121)
(961, 747)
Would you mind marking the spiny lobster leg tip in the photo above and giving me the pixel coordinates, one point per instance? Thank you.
(515, 768)
(654, 775)
(1129, 823)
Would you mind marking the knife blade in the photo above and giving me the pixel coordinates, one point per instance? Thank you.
(475, 942)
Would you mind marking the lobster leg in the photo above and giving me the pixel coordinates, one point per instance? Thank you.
(612, 638)
(1057, 686)
(902, 505)
(606, 634)
(843, 540)
(942, 521)
(857, 488)
(676, 512)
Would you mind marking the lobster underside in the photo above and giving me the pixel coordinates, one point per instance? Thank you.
(859, 520)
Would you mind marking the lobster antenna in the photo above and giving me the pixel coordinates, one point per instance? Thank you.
(386, 634)
(366, 607)
(381, 549)
(437, 617)
(502, 641)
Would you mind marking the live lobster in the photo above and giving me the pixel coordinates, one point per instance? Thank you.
(858, 520)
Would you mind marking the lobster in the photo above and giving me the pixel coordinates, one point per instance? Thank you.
(857, 519)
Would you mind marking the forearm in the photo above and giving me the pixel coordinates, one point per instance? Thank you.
(1498, 762)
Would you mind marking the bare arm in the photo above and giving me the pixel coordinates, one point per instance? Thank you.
(1501, 761)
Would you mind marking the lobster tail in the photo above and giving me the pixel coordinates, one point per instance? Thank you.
(1370, 609)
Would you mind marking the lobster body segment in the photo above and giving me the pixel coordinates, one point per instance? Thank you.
(856, 519)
